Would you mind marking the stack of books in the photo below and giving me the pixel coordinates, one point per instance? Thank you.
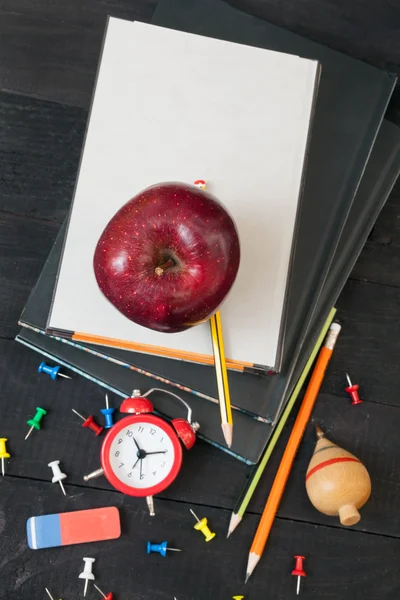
(290, 136)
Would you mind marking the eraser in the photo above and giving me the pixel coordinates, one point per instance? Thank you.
(64, 529)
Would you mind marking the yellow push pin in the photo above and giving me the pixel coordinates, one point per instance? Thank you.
(203, 527)
(3, 453)
(237, 597)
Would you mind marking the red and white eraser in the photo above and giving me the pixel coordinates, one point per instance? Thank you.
(78, 527)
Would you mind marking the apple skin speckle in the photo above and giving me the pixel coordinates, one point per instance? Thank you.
(189, 234)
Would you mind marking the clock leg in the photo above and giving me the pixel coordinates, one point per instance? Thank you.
(94, 474)
(150, 504)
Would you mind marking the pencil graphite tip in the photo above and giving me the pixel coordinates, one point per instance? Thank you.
(247, 577)
(227, 430)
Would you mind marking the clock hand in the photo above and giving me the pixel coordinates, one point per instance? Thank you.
(137, 445)
(135, 463)
(160, 452)
(141, 464)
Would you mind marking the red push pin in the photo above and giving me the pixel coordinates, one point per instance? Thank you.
(89, 422)
(299, 571)
(353, 391)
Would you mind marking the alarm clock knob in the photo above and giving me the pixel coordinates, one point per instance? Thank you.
(136, 404)
(186, 432)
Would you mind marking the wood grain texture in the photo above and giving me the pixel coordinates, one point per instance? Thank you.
(337, 482)
(40, 148)
(380, 259)
(213, 571)
(369, 342)
(24, 246)
(60, 42)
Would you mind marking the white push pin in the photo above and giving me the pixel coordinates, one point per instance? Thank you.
(87, 573)
(58, 475)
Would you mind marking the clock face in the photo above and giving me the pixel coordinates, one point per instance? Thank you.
(141, 455)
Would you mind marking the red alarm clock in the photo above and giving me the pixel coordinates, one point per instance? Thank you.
(141, 454)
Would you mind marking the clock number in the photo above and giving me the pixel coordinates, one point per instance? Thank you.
(163, 464)
(120, 441)
(161, 439)
(142, 476)
(154, 472)
(121, 465)
(130, 474)
(140, 429)
(117, 453)
(129, 433)
(152, 431)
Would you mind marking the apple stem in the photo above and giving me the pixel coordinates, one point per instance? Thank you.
(161, 268)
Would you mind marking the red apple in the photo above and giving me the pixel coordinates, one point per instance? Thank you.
(168, 257)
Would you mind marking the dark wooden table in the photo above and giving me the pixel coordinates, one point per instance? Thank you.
(48, 54)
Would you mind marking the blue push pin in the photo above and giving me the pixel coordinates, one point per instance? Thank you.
(52, 371)
(108, 414)
(160, 548)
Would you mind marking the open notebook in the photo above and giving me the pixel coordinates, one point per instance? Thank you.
(172, 106)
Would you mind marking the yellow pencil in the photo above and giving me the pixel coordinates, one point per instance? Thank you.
(222, 378)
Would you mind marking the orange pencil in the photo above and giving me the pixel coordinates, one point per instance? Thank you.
(278, 487)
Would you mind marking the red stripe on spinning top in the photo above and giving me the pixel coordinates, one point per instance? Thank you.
(332, 461)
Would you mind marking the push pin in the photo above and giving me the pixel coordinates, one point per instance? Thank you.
(87, 573)
(160, 548)
(3, 453)
(200, 183)
(58, 475)
(237, 597)
(108, 414)
(353, 391)
(298, 571)
(52, 371)
(49, 595)
(35, 422)
(89, 422)
(203, 527)
(106, 596)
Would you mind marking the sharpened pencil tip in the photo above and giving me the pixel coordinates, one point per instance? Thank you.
(227, 430)
(233, 523)
(251, 564)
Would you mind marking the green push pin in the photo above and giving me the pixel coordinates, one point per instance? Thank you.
(35, 422)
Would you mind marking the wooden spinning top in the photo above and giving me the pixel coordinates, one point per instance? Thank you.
(337, 483)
